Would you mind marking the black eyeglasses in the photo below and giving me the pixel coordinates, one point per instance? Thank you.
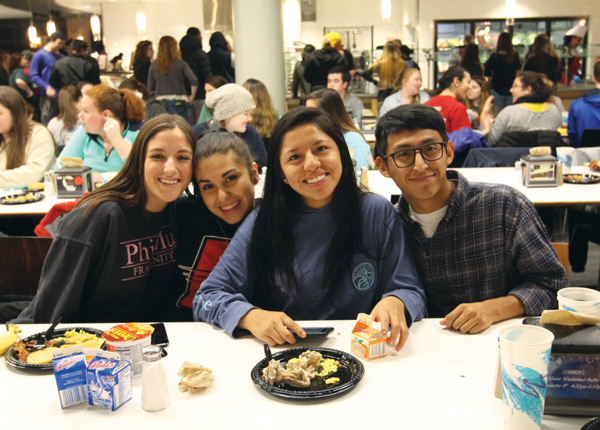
(406, 156)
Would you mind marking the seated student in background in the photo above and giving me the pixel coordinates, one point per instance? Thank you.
(231, 105)
(224, 179)
(584, 113)
(530, 111)
(317, 247)
(264, 116)
(328, 100)
(452, 88)
(113, 257)
(27, 148)
(110, 119)
(66, 122)
(482, 252)
(212, 83)
(338, 79)
(408, 90)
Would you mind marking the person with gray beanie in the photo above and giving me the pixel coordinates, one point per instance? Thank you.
(231, 106)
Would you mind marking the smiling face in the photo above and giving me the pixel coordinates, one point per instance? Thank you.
(462, 86)
(167, 168)
(311, 164)
(412, 85)
(424, 184)
(6, 120)
(226, 186)
(518, 91)
(238, 123)
(91, 118)
(474, 91)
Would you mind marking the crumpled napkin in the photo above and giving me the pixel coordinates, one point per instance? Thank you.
(194, 377)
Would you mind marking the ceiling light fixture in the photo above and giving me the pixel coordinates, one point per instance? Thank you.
(31, 30)
(95, 24)
(386, 10)
(140, 21)
(50, 25)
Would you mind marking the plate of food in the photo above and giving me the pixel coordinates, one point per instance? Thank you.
(34, 352)
(579, 178)
(22, 198)
(594, 166)
(308, 373)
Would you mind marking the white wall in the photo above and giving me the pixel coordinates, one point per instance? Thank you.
(171, 18)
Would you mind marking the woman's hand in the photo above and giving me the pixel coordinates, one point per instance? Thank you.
(271, 327)
(112, 129)
(390, 312)
(487, 115)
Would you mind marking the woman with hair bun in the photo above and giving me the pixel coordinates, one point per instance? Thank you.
(452, 86)
(531, 109)
(110, 121)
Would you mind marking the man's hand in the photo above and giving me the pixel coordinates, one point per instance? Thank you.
(476, 317)
(50, 92)
(390, 312)
(271, 327)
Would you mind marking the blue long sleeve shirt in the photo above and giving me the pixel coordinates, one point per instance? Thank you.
(40, 68)
(385, 269)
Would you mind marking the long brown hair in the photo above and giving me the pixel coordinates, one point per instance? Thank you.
(123, 104)
(141, 52)
(167, 53)
(68, 97)
(330, 102)
(505, 46)
(264, 117)
(389, 66)
(127, 188)
(5, 61)
(541, 43)
(21, 127)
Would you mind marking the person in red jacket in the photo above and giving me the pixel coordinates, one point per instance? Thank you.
(452, 86)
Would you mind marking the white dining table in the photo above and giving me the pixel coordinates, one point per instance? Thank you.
(562, 195)
(441, 379)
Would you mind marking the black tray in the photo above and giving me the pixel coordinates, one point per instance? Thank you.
(586, 179)
(37, 196)
(350, 374)
(12, 360)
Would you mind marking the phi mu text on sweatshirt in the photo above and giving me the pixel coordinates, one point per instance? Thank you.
(108, 265)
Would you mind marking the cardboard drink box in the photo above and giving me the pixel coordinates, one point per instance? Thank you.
(368, 341)
(74, 181)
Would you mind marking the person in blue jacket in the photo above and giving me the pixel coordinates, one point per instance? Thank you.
(317, 248)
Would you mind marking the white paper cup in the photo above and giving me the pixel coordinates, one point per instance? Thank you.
(582, 300)
(565, 154)
(524, 359)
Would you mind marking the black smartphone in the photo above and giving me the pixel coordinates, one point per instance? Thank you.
(159, 336)
(312, 332)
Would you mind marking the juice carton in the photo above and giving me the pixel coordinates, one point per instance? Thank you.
(109, 380)
(367, 339)
(70, 374)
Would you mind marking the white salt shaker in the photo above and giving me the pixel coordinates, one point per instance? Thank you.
(155, 393)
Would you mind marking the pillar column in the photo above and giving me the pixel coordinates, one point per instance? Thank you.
(258, 41)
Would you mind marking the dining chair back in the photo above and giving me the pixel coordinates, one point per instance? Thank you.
(590, 138)
(21, 261)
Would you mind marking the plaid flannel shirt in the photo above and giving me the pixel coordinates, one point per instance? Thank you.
(491, 243)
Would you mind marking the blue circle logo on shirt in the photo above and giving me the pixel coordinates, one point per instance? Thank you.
(363, 276)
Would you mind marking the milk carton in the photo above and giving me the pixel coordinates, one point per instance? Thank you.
(109, 381)
(70, 373)
(368, 340)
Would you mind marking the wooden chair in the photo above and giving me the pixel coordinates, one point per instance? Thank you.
(562, 251)
(21, 261)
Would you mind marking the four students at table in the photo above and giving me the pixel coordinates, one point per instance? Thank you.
(481, 250)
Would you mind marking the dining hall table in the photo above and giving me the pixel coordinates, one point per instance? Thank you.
(562, 195)
(440, 379)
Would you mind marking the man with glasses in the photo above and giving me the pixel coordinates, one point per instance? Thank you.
(482, 252)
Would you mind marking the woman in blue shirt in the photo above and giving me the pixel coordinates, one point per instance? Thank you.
(110, 121)
(316, 248)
